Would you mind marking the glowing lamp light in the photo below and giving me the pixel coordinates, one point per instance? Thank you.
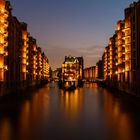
(6, 53)
(70, 78)
(6, 67)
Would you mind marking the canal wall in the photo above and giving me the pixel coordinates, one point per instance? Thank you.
(122, 88)
(16, 88)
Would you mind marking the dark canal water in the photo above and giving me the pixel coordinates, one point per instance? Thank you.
(88, 113)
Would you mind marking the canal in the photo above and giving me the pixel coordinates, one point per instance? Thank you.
(88, 113)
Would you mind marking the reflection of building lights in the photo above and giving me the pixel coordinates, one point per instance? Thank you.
(127, 69)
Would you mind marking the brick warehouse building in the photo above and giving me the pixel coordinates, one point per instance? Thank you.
(17, 68)
(121, 58)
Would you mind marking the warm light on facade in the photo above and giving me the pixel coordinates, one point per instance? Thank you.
(3, 38)
(24, 52)
(71, 69)
(45, 68)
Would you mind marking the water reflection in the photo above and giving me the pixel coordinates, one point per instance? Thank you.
(24, 120)
(33, 112)
(119, 121)
(5, 129)
(72, 102)
(83, 114)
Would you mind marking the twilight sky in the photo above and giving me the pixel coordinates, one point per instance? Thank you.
(71, 27)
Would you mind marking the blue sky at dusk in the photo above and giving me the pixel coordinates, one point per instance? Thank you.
(71, 27)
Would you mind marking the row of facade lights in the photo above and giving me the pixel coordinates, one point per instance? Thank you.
(120, 59)
(119, 62)
(39, 60)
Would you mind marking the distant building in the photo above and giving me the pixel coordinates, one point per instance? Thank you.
(56, 74)
(90, 73)
(94, 73)
(39, 64)
(72, 69)
(32, 60)
(45, 67)
(81, 67)
(24, 53)
(99, 70)
(110, 60)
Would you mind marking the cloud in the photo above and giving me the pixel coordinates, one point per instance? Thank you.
(92, 49)
(93, 56)
(56, 54)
